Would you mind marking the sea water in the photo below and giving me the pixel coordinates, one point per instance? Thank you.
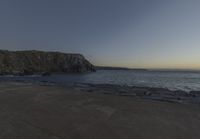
(173, 80)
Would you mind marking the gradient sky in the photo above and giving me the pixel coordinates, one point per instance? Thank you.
(129, 33)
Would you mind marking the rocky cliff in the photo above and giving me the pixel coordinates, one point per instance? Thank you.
(37, 62)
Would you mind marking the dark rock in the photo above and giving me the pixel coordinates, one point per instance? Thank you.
(27, 72)
(141, 92)
(180, 93)
(195, 93)
(46, 74)
(34, 62)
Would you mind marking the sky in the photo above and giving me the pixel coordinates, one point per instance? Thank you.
(122, 33)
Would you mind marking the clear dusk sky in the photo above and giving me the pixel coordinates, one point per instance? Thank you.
(127, 33)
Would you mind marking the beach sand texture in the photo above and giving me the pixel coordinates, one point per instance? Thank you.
(30, 111)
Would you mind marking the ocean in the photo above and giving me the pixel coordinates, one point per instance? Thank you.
(173, 80)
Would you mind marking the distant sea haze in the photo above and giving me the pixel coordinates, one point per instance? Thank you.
(147, 69)
(173, 80)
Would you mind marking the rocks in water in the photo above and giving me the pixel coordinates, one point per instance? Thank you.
(195, 93)
(39, 62)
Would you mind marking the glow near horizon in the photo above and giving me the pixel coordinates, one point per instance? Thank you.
(127, 33)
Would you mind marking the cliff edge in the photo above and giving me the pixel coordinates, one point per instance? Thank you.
(38, 62)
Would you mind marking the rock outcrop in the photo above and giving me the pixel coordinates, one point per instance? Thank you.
(39, 62)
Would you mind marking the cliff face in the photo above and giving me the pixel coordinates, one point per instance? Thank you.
(32, 62)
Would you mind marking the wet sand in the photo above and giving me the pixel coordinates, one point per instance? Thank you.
(30, 111)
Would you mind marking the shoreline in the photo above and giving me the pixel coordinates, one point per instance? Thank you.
(56, 112)
(149, 93)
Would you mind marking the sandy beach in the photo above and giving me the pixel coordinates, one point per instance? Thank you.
(30, 111)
